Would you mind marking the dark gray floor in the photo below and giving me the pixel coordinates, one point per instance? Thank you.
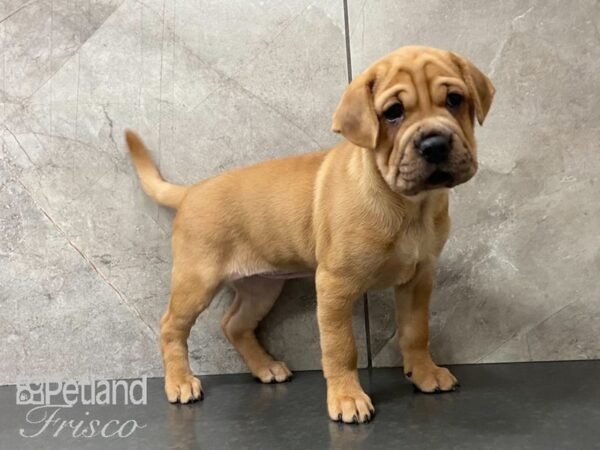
(499, 406)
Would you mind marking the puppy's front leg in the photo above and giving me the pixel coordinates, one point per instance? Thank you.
(346, 401)
(412, 316)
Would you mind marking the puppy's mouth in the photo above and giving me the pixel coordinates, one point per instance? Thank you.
(417, 172)
(439, 178)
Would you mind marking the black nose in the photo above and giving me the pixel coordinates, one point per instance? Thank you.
(434, 148)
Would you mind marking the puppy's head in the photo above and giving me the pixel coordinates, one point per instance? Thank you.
(415, 109)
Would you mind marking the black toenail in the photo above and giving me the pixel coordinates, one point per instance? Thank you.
(201, 395)
(408, 374)
(354, 418)
(366, 419)
(340, 417)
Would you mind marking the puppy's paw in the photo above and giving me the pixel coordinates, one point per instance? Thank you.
(273, 372)
(430, 378)
(350, 407)
(183, 389)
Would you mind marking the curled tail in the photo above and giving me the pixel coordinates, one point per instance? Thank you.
(154, 185)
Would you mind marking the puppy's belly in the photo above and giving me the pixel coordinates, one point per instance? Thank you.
(272, 275)
(285, 275)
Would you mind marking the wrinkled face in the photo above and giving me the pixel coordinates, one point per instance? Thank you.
(426, 127)
(418, 109)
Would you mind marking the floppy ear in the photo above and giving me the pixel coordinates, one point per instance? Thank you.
(480, 87)
(355, 117)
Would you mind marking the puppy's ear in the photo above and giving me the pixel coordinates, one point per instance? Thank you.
(355, 117)
(480, 87)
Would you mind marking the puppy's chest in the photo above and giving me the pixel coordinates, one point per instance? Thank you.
(411, 247)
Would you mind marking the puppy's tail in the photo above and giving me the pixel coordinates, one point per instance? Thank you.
(154, 185)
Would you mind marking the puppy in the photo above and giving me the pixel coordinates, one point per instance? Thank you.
(370, 212)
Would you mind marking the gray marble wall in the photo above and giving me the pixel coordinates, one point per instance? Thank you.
(210, 85)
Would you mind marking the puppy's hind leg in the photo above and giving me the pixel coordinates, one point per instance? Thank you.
(191, 292)
(254, 298)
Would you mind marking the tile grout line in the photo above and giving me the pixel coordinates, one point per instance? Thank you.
(347, 39)
(365, 297)
(367, 330)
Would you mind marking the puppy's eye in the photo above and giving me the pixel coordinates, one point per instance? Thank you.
(454, 100)
(394, 112)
